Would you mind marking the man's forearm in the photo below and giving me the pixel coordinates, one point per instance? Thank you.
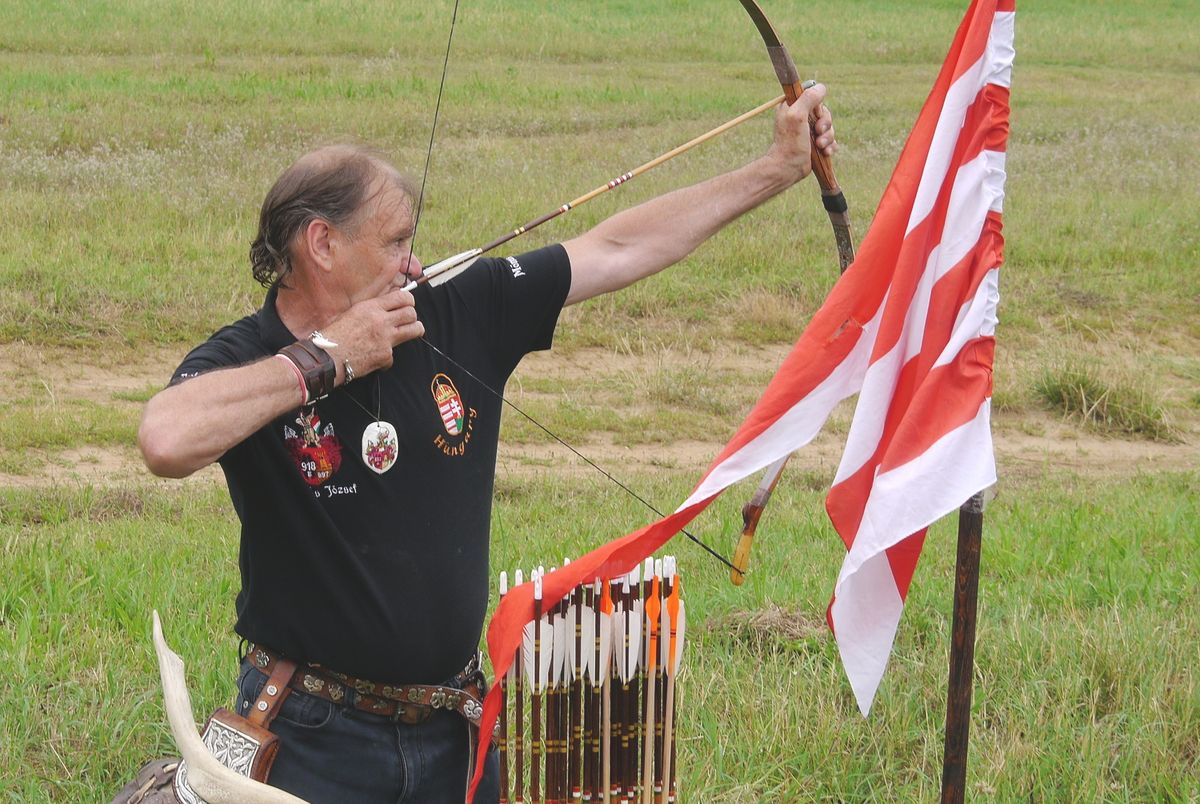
(188, 426)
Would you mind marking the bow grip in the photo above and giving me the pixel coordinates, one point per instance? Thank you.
(822, 165)
(793, 88)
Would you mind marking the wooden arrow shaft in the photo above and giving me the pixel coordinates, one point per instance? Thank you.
(631, 174)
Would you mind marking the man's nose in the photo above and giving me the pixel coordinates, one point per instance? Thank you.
(412, 268)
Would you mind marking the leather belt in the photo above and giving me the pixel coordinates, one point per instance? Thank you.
(406, 703)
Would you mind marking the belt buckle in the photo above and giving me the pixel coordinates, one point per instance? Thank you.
(412, 714)
(472, 675)
(473, 668)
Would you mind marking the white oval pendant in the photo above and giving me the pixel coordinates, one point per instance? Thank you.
(379, 446)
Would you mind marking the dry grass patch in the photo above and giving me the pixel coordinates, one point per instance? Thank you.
(773, 626)
(1118, 408)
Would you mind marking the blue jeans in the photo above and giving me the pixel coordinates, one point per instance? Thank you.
(334, 753)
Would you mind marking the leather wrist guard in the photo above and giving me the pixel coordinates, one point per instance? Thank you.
(315, 364)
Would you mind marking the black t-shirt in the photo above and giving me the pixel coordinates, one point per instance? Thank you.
(385, 576)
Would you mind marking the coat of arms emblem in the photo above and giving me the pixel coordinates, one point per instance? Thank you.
(449, 403)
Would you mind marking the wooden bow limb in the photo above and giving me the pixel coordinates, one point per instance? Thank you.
(214, 782)
(838, 210)
(751, 512)
(789, 78)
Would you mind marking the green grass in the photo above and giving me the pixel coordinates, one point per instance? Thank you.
(29, 430)
(1086, 684)
(658, 405)
(137, 139)
(137, 144)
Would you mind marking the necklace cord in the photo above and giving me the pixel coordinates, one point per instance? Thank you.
(577, 453)
(378, 401)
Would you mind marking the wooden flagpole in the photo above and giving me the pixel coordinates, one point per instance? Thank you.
(962, 650)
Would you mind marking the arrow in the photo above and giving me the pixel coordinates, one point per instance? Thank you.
(451, 267)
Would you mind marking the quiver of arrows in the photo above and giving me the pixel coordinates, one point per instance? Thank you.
(596, 683)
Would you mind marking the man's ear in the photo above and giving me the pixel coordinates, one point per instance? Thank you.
(315, 242)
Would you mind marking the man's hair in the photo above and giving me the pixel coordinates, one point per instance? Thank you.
(333, 184)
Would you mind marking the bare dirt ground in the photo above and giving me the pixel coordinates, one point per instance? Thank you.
(1031, 442)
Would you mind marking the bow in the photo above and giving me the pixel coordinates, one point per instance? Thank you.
(839, 216)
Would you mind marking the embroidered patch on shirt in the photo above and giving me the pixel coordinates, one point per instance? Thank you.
(316, 449)
(457, 418)
(449, 403)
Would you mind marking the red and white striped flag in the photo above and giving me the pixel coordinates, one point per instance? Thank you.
(920, 443)
(909, 328)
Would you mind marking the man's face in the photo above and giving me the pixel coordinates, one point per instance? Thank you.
(373, 254)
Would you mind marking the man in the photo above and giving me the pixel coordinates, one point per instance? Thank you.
(357, 430)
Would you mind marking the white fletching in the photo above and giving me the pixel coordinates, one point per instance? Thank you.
(573, 656)
(587, 642)
(546, 665)
(664, 636)
(576, 657)
(447, 269)
(637, 627)
(679, 640)
(618, 639)
(527, 639)
(547, 648)
(559, 646)
(604, 668)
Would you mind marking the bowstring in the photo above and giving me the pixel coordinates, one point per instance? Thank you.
(412, 246)
(437, 110)
(577, 453)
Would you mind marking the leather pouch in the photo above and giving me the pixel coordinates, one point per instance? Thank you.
(244, 744)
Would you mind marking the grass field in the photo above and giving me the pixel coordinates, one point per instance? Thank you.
(137, 139)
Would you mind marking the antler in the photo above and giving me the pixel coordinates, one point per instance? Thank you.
(213, 781)
(839, 216)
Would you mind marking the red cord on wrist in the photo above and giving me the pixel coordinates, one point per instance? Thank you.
(299, 378)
